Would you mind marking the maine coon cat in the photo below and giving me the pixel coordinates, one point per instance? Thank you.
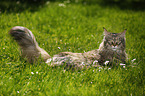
(112, 49)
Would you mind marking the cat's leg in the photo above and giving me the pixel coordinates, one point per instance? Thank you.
(28, 44)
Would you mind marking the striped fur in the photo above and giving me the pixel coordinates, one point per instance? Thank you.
(111, 49)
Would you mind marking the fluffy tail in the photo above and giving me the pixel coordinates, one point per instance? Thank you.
(28, 44)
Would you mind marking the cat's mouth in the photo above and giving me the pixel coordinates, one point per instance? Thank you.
(114, 48)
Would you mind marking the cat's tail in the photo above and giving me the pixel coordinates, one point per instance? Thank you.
(28, 44)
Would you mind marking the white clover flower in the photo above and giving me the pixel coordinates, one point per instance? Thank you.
(18, 92)
(133, 60)
(95, 62)
(61, 5)
(37, 72)
(100, 68)
(58, 47)
(47, 2)
(122, 64)
(109, 68)
(106, 62)
(32, 73)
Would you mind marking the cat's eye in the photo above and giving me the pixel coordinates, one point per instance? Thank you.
(117, 43)
(110, 43)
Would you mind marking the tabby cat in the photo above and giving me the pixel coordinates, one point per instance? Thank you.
(112, 49)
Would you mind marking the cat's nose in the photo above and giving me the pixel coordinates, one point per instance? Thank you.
(114, 44)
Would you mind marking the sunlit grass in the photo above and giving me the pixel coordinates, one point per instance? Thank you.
(76, 28)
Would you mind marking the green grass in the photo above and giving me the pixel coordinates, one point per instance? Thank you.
(76, 28)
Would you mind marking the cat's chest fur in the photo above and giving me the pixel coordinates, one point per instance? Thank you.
(106, 53)
(111, 56)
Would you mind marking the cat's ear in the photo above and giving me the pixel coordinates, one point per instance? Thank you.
(123, 33)
(105, 31)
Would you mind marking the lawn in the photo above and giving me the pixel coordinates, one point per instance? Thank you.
(74, 27)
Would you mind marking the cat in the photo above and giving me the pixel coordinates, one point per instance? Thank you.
(112, 49)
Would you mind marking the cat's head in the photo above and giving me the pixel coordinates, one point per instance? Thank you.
(114, 41)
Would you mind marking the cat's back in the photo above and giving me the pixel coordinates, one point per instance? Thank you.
(91, 56)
